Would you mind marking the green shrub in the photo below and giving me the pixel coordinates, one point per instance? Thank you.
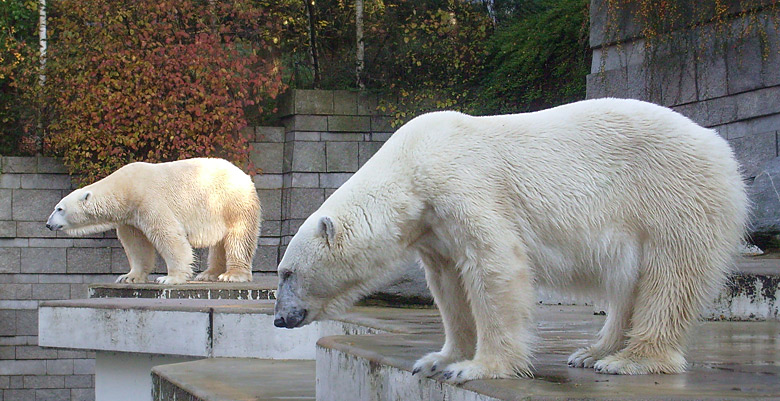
(149, 80)
(539, 61)
(19, 89)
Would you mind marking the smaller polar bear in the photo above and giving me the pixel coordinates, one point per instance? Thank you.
(621, 200)
(171, 207)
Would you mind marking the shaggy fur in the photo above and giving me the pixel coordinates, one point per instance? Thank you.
(619, 200)
(171, 207)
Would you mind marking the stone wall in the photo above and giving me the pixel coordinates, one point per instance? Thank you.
(730, 82)
(37, 264)
(327, 136)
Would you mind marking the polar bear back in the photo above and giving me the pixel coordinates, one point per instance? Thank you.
(204, 195)
(584, 185)
(609, 158)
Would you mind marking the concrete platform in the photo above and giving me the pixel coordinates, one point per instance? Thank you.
(132, 335)
(202, 327)
(263, 288)
(728, 360)
(186, 327)
(234, 379)
(751, 293)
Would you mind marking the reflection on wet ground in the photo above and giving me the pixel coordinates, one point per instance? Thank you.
(726, 359)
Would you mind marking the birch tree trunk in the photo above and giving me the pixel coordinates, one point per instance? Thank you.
(313, 41)
(360, 50)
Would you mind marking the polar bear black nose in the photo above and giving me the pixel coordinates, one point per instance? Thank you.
(293, 319)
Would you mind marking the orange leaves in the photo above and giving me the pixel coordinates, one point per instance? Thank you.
(157, 82)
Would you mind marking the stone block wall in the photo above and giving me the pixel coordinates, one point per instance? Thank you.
(37, 264)
(327, 136)
(728, 82)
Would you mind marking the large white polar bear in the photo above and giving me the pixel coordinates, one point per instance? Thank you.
(171, 207)
(616, 199)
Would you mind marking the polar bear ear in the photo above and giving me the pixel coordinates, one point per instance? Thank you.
(327, 229)
(86, 195)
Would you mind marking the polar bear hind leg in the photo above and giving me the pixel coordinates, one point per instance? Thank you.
(611, 338)
(240, 248)
(170, 240)
(216, 264)
(675, 281)
(140, 254)
(619, 288)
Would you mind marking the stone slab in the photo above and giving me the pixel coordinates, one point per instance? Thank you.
(751, 293)
(249, 379)
(122, 376)
(160, 327)
(269, 134)
(268, 157)
(203, 327)
(308, 157)
(34, 204)
(250, 333)
(18, 164)
(727, 360)
(261, 288)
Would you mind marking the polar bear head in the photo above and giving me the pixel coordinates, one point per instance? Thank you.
(331, 262)
(82, 212)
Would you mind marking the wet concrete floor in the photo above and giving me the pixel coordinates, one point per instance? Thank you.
(727, 360)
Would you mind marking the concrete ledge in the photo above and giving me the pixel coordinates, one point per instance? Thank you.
(234, 379)
(726, 360)
(751, 293)
(173, 329)
(205, 328)
(262, 289)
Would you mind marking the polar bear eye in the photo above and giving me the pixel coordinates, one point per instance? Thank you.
(59, 209)
(286, 274)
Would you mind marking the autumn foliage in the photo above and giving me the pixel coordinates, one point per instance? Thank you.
(19, 82)
(149, 80)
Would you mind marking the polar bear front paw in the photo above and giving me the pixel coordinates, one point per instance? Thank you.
(235, 276)
(168, 280)
(431, 364)
(132, 278)
(472, 370)
(585, 358)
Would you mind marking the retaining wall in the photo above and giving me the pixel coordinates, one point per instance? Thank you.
(327, 136)
(722, 76)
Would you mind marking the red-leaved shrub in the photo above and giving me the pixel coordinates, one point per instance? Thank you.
(150, 80)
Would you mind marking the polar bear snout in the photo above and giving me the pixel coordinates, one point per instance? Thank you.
(56, 221)
(291, 319)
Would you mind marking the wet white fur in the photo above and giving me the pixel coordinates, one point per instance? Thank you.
(172, 207)
(618, 200)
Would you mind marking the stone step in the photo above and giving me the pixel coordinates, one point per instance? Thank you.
(726, 360)
(132, 335)
(206, 327)
(751, 292)
(257, 290)
(236, 379)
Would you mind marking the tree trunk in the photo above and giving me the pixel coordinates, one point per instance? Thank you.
(313, 41)
(360, 51)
